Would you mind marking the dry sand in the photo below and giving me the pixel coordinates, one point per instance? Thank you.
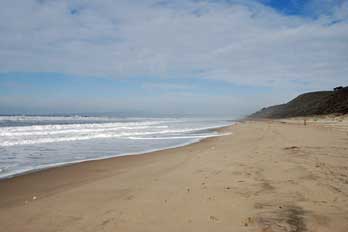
(265, 176)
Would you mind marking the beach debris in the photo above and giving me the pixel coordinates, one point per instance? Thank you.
(106, 222)
(203, 185)
(248, 221)
(227, 188)
(130, 197)
(188, 189)
(213, 218)
(291, 148)
(34, 198)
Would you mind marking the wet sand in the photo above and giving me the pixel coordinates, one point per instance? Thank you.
(265, 176)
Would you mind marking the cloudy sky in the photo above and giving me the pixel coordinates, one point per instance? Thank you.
(223, 57)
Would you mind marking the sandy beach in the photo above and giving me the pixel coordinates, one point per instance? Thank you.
(265, 176)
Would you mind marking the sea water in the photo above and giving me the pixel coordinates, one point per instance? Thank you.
(29, 143)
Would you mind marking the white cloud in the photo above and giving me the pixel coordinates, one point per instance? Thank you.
(242, 42)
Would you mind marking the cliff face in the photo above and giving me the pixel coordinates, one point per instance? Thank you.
(314, 103)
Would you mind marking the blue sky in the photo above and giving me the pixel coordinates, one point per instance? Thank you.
(222, 57)
(292, 7)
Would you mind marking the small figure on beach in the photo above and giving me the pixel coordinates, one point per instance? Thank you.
(304, 122)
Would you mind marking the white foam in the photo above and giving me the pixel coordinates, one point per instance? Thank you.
(82, 130)
(19, 155)
(77, 126)
(179, 137)
(58, 164)
(99, 131)
(50, 118)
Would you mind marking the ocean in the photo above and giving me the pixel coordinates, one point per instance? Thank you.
(29, 143)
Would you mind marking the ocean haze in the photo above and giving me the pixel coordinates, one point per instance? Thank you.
(49, 93)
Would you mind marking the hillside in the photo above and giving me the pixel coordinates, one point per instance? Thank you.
(308, 104)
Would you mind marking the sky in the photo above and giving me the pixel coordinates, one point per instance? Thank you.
(195, 57)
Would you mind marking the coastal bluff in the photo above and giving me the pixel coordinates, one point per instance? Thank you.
(309, 104)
